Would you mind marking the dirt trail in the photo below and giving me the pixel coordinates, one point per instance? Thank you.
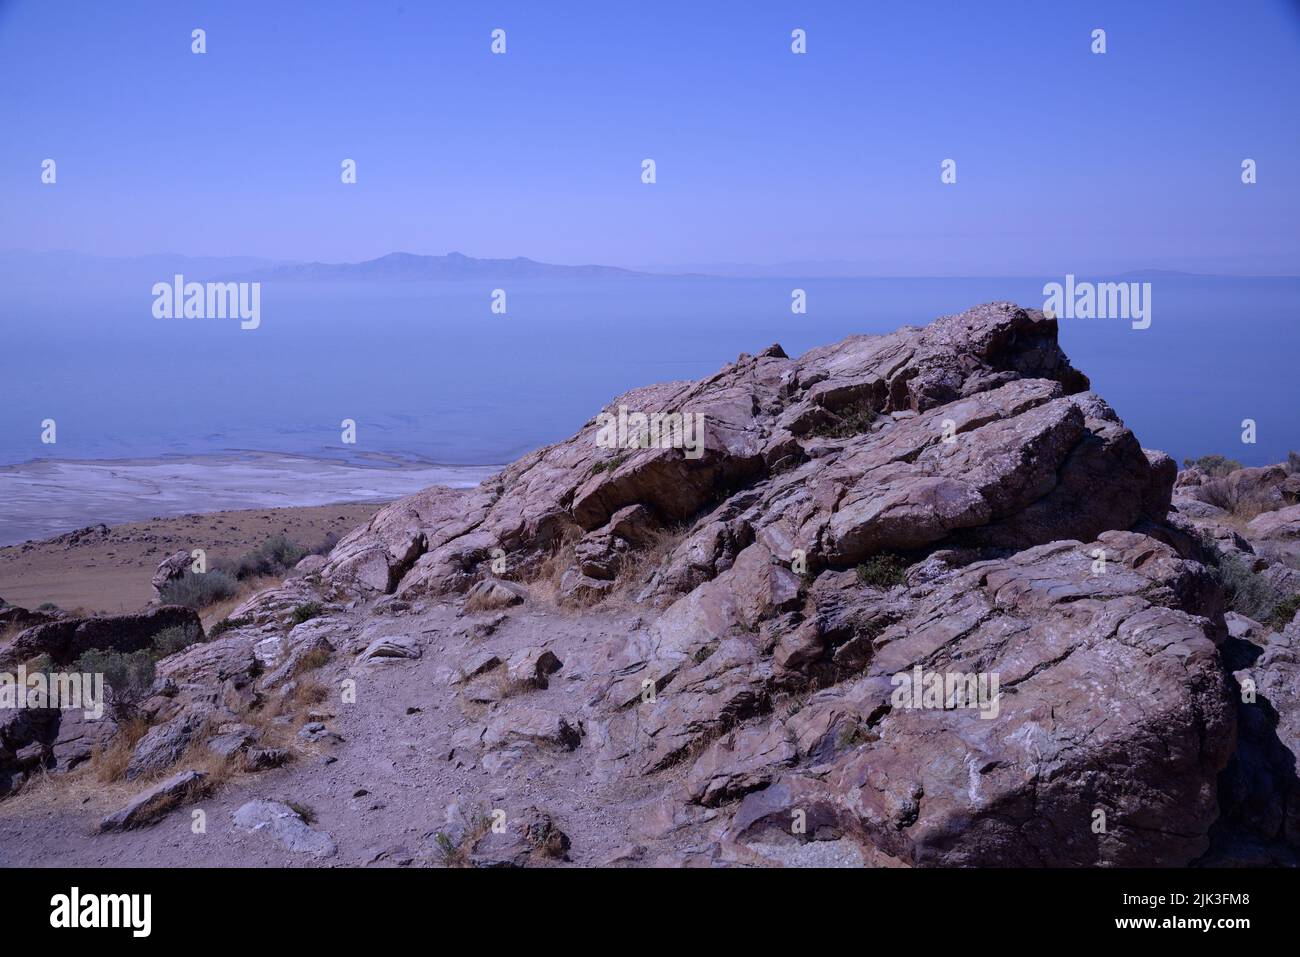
(384, 796)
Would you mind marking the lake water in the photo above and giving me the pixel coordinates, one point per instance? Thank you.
(431, 375)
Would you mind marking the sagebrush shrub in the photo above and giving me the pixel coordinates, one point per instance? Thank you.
(883, 571)
(199, 591)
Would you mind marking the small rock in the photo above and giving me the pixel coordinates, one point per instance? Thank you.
(263, 759)
(388, 649)
(493, 594)
(478, 664)
(531, 666)
(286, 827)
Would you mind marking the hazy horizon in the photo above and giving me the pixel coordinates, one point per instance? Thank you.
(1067, 160)
(826, 269)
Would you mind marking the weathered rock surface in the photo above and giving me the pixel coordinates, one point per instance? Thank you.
(170, 569)
(1277, 534)
(286, 827)
(165, 744)
(533, 835)
(154, 803)
(1000, 445)
(391, 648)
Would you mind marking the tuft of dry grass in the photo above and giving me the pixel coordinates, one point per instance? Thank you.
(311, 661)
(457, 855)
(543, 581)
(110, 763)
(1241, 504)
(641, 563)
(218, 769)
(306, 694)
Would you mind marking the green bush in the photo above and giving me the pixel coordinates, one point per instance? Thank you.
(1250, 594)
(275, 556)
(609, 464)
(1216, 465)
(199, 591)
(883, 571)
(225, 624)
(307, 611)
(1284, 612)
(128, 674)
(171, 640)
(848, 422)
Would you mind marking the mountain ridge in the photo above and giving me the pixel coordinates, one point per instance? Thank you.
(404, 266)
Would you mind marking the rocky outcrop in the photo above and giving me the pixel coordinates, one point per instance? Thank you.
(973, 430)
(66, 639)
(14, 618)
(1107, 704)
(919, 600)
(170, 569)
(1245, 526)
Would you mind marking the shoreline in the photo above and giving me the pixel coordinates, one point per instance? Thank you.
(44, 498)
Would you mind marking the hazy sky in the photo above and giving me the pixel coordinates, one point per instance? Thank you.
(1066, 160)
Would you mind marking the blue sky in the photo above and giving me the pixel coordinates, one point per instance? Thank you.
(1066, 160)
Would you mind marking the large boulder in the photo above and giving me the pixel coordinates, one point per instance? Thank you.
(1097, 737)
(973, 430)
(1277, 534)
(170, 569)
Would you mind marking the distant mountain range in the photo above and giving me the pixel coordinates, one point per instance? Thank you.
(409, 266)
(64, 266)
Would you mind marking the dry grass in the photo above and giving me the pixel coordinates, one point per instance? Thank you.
(315, 659)
(218, 769)
(507, 686)
(544, 580)
(110, 763)
(457, 855)
(1241, 504)
(477, 603)
(307, 693)
(78, 790)
(640, 564)
(222, 609)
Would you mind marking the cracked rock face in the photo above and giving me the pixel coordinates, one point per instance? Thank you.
(1110, 706)
(975, 429)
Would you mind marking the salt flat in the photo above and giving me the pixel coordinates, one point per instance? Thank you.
(43, 498)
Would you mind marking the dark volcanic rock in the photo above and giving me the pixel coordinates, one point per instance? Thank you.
(65, 640)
